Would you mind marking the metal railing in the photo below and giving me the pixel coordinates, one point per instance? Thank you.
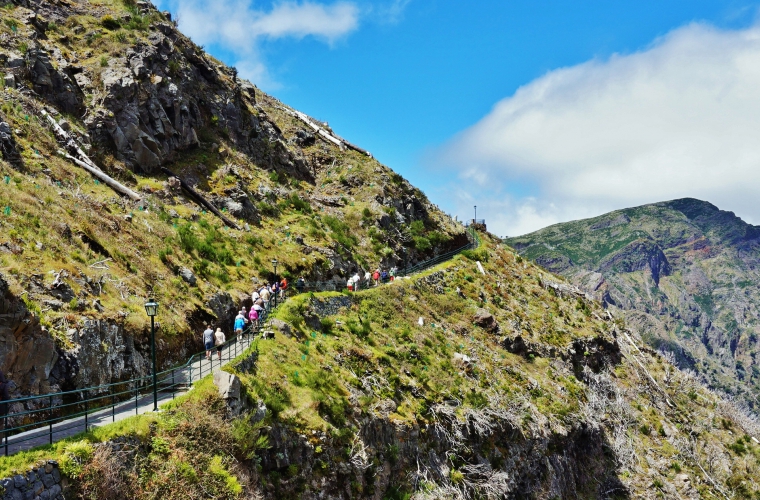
(35, 420)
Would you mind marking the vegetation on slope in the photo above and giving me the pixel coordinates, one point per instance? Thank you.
(111, 253)
(354, 364)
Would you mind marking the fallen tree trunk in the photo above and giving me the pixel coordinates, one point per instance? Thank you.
(200, 200)
(66, 138)
(105, 179)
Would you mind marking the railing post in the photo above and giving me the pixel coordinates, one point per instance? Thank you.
(174, 387)
(50, 425)
(86, 409)
(136, 389)
(113, 405)
(5, 433)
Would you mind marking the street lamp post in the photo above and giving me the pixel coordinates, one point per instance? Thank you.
(475, 220)
(151, 308)
(274, 263)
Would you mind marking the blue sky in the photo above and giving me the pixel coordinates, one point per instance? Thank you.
(416, 82)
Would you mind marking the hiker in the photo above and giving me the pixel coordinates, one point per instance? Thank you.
(376, 276)
(255, 295)
(264, 294)
(283, 287)
(367, 277)
(357, 279)
(240, 322)
(393, 273)
(350, 284)
(253, 316)
(300, 284)
(384, 276)
(208, 340)
(219, 340)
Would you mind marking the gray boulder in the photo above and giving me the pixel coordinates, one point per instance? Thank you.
(485, 319)
(187, 276)
(228, 386)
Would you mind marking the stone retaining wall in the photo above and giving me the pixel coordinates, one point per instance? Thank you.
(41, 483)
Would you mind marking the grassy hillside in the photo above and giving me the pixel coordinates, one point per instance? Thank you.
(361, 401)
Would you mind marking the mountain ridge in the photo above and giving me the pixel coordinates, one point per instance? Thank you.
(707, 258)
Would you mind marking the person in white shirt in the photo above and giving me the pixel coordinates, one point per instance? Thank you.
(357, 279)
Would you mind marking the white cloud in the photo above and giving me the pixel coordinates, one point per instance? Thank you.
(680, 118)
(238, 26)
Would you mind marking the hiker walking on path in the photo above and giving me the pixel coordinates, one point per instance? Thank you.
(357, 279)
(208, 340)
(264, 294)
(253, 316)
(393, 273)
(283, 287)
(240, 322)
(219, 340)
(300, 284)
(376, 276)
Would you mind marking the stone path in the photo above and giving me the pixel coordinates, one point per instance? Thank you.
(183, 378)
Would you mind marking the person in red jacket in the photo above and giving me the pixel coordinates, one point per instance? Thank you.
(376, 276)
(283, 287)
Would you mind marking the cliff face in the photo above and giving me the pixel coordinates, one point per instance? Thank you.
(684, 272)
(135, 96)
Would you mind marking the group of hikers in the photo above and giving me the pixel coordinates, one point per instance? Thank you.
(249, 321)
(357, 282)
(263, 296)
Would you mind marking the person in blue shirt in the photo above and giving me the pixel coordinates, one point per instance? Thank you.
(239, 323)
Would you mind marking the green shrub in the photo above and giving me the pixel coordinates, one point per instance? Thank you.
(456, 477)
(294, 201)
(219, 471)
(110, 23)
(340, 231)
(421, 243)
(478, 254)
(174, 67)
(266, 209)
(326, 324)
(74, 457)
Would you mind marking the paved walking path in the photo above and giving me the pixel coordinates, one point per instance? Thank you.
(183, 378)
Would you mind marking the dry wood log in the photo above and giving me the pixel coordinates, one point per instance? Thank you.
(66, 138)
(105, 179)
(200, 200)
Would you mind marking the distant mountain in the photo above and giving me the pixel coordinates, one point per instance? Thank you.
(684, 272)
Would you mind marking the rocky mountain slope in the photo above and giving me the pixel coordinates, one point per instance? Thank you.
(453, 384)
(486, 377)
(685, 273)
(136, 96)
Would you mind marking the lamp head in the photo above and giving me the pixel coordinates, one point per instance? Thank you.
(151, 307)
